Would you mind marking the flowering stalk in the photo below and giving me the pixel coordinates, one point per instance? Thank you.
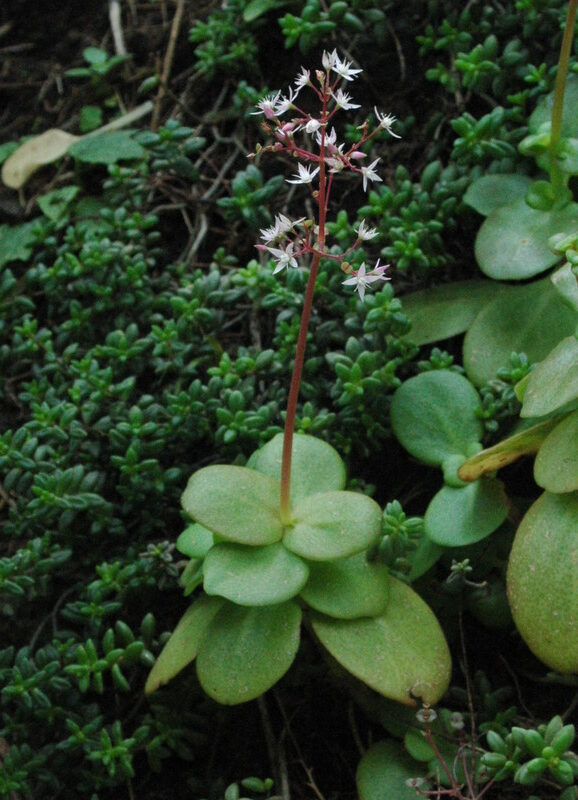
(281, 240)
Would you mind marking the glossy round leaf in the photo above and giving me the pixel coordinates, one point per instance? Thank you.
(254, 576)
(402, 653)
(239, 504)
(333, 525)
(554, 382)
(512, 243)
(433, 416)
(542, 580)
(458, 517)
(556, 465)
(490, 192)
(184, 643)
(383, 771)
(350, 588)
(315, 465)
(247, 650)
(527, 319)
(448, 310)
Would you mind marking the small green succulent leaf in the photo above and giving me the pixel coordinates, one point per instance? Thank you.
(433, 416)
(254, 576)
(401, 654)
(556, 465)
(195, 541)
(542, 580)
(247, 650)
(383, 771)
(512, 243)
(444, 311)
(541, 196)
(565, 283)
(192, 575)
(554, 382)
(458, 517)
(490, 192)
(506, 452)
(315, 465)
(183, 645)
(349, 588)
(527, 319)
(333, 525)
(239, 504)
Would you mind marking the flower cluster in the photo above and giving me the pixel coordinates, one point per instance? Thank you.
(320, 159)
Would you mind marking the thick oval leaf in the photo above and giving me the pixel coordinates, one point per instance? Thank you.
(107, 148)
(448, 310)
(315, 465)
(554, 382)
(556, 465)
(254, 576)
(183, 646)
(333, 525)
(565, 283)
(511, 449)
(433, 416)
(527, 319)
(458, 517)
(34, 154)
(195, 541)
(490, 192)
(237, 503)
(383, 771)
(512, 243)
(350, 588)
(543, 580)
(402, 654)
(247, 650)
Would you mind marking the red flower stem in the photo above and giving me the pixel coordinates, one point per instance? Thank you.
(322, 198)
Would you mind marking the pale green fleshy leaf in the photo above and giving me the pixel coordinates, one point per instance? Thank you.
(433, 416)
(554, 382)
(556, 465)
(401, 654)
(383, 771)
(254, 576)
(542, 580)
(349, 588)
(490, 192)
(195, 541)
(247, 650)
(459, 517)
(239, 504)
(333, 525)
(183, 646)
(529, 319)
(315, 465)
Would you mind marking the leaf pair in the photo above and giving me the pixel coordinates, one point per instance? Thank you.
(433, 416)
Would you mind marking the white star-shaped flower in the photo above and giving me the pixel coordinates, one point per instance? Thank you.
(267, 105)
(302, 79)
(344, 69)
(283, 256)
(386, 121)
(369, 174)
(343, 100)
(305, 175)
(364, 233)
(362, 279)
(282, 226)
(329, 59)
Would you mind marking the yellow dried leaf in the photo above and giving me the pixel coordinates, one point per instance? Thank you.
(34, 154)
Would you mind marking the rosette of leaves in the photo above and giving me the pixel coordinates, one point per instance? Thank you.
(521, 213)
(433, 416)
(262, 577)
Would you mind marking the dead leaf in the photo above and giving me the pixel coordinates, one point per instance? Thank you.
(34, 154)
